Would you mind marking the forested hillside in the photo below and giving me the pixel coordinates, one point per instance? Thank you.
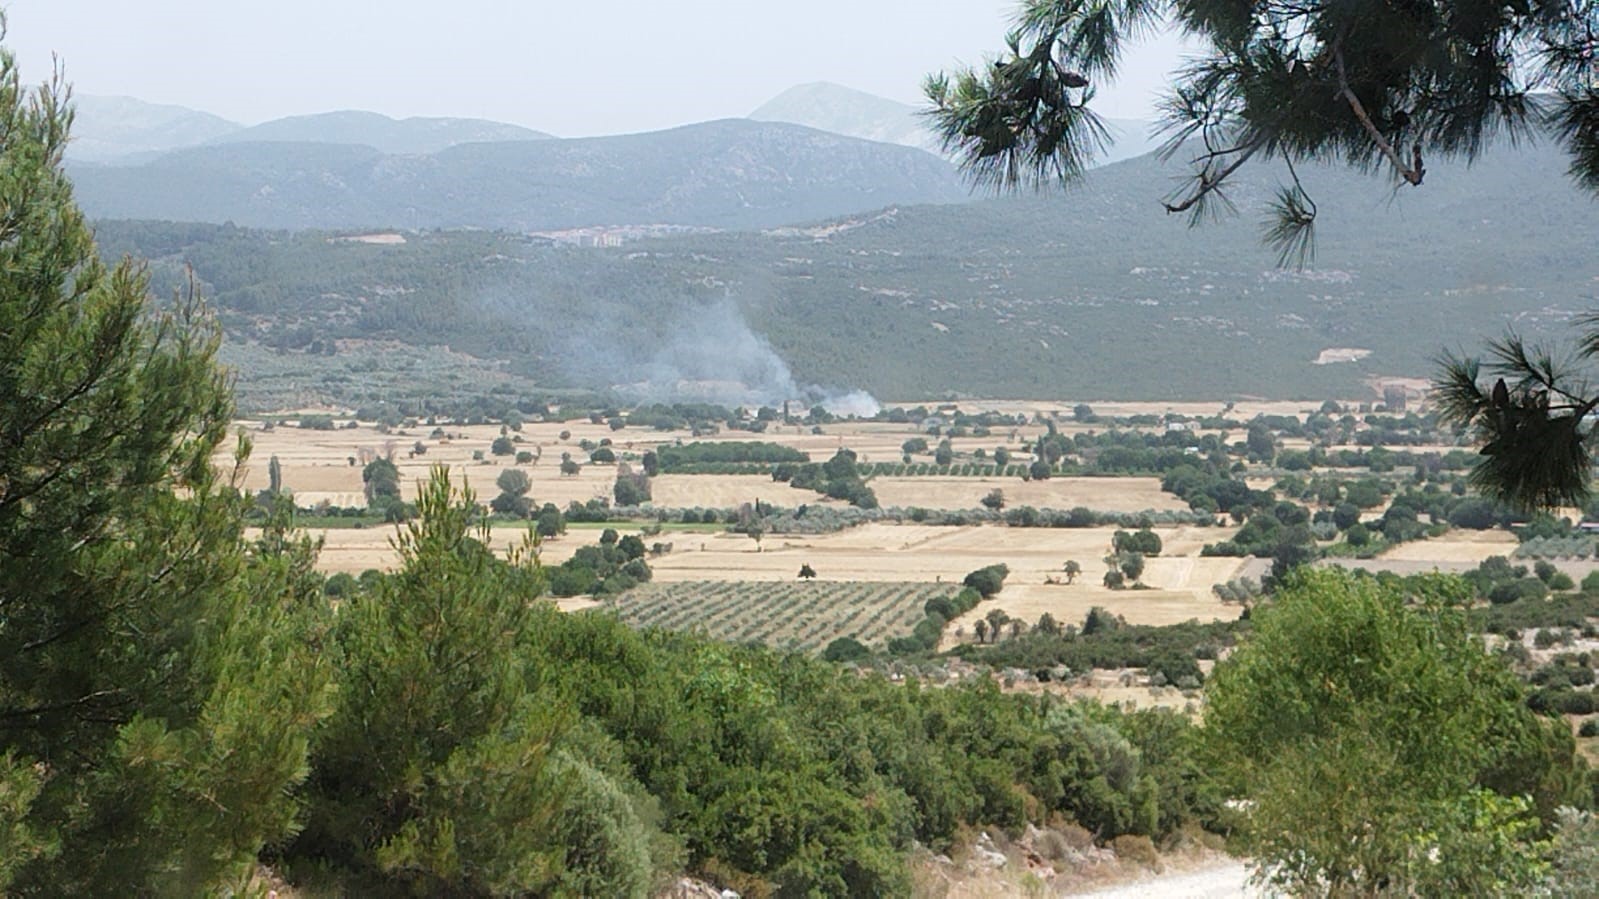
(1094, 292)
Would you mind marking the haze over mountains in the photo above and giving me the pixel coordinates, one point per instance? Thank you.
(1093, 292)
(816, 151)
(842, 110)
(125, 130)
(852, 262)
(729, 174)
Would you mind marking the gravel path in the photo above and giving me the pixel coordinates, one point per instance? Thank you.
(1228, 880)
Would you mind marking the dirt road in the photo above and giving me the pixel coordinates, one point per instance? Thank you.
(1227, 880)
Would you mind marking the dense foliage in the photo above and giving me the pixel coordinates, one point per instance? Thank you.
(1382, 747)
(689, 457)
(159, 683)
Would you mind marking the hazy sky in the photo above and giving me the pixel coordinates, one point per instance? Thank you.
(568, 68)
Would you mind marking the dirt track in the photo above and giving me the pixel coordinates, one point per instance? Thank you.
(1224, 881)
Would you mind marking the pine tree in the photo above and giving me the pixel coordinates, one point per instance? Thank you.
(158, 682)
(1372, 84)
(432, 776)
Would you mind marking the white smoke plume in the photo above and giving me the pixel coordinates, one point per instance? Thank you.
(712, 355)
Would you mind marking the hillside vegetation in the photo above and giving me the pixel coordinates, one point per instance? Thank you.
(1095, 292)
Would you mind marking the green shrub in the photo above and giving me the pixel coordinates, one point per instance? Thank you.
(987, 581)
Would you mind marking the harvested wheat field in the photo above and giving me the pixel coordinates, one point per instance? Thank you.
(354, 550)
(888, 552)
(1456, 546)
(725, 491)
(317, 465)
(1181, 591)
(1101, 494)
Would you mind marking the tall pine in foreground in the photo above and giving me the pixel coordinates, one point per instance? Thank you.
(432, 778)
(159, 680)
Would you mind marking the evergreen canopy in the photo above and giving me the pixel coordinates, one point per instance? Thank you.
(1369, 83)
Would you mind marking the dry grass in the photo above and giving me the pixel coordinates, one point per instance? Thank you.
(1455, 546)
(316, 468)
(725, 491)
(1103, 494)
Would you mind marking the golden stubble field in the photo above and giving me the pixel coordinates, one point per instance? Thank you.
(317, 467)
(1181, 581)
(1455, 546)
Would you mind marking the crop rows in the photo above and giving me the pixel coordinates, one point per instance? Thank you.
(1574, 547)
(964, 469)
(790, 615)
(874, 469)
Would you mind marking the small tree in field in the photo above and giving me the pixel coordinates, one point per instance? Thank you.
(981, 630)
(1072, 568)
(996, 618)
(806, 572)
(514, 485)
(994, 499)
(1132, 565)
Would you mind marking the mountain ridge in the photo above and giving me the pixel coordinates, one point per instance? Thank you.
(730, 173)
(413, 135)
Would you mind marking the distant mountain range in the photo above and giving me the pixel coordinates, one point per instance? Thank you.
(843, 110)
(109, 129)
(815, 151)
(123, 130)
(731, 174)
(418, 135)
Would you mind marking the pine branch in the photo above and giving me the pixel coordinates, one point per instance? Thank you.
(1412, 173)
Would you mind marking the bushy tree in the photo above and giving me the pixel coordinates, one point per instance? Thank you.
(159, 682)
(381, 480)
(514, 485)
(1382, 747)
(432, 777)
(1132, 565)
(987, 581)
(631, 488)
